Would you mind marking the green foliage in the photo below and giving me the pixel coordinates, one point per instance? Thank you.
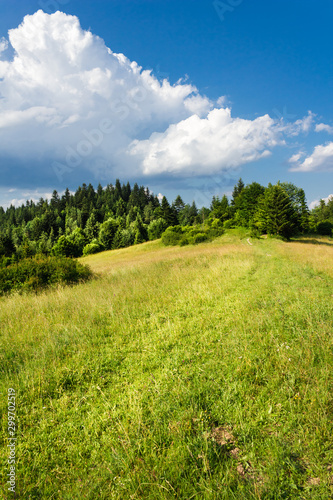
(107, 232)
(156, 228)
(127, 237)
(65, 247)
(93, 247)
(187, 216)
(188, 235)
(173, 235)
(119, 216)
(323, 212)
(324, 228)
(140, 231)
(237, 191)
(40, 272)
(298, 203)
(6, 246)
(246, 203)
(275, 214)
(219, 209)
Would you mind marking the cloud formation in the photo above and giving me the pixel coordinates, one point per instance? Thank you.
(199, 145)
(320, 159)
(315, 203)
(322, 127)
(68, 101)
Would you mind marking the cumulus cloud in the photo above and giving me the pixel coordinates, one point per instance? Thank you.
(68, 101)
(200, 145)
(3, 45)
(322, 127)
(315, 203)
(320, 159)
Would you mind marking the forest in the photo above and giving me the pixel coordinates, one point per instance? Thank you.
(117, 216)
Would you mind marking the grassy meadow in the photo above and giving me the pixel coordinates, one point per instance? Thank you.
(198, 372)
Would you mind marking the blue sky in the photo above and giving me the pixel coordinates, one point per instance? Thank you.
(267, 59)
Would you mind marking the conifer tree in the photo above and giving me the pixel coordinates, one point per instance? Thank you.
(275, 212)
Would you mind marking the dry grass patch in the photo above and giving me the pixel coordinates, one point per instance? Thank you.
(316, 252)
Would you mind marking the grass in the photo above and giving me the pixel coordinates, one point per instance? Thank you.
(201, 372)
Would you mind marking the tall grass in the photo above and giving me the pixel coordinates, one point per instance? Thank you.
(194, 372)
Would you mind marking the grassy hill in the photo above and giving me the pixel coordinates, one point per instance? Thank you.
(199, 372)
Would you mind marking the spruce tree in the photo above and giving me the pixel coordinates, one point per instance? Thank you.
(275, 212)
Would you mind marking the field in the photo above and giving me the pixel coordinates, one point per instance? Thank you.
(199, 372)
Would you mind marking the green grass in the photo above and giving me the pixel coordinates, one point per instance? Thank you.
(192, 373)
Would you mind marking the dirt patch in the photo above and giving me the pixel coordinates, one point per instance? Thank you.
(313, 481)
(223, 435)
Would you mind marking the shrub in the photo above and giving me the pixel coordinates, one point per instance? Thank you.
(200, 237)
(228, 224)
(324, 228)
(173, 235)
(91, 248)
(41, 272)
(156, 228)
(65, 248)
(126, 238)
(189, 235)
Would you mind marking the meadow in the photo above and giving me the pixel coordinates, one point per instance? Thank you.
(196, 372)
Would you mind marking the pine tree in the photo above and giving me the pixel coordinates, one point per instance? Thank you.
(275, 212)
(237, 191)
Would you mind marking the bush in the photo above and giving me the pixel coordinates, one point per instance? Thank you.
(200, 237)
(173, 235)
(91, 248)
(156, 228)
(324, 228)
(40, 272)
(229, 224)
(189, 235)
(64, 247)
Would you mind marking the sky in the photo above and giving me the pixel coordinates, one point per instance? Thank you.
(183, 97)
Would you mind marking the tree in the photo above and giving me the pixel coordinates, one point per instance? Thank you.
(168, 214)
(188, 215)
(219, 209)
(178, 205)
(92, 228)
(246, 203)
(156, 228)
(275, 212)
(65, 247)
(298, 202)
(237, 191)
(107, 232)
(7, 248)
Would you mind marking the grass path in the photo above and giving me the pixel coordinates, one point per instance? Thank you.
(197, 372)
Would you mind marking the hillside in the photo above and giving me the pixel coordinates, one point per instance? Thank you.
(179, 372)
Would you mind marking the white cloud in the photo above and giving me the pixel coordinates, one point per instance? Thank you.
(322, 127)
(3, 44)
(296, 157)
(207, 145)
(315, 203)
(21, 196)
(67, 97)
(320, 159)
(303, 125)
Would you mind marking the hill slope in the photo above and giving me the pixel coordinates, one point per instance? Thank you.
(194, 372)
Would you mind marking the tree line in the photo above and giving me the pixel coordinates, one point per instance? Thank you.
(89, 220)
